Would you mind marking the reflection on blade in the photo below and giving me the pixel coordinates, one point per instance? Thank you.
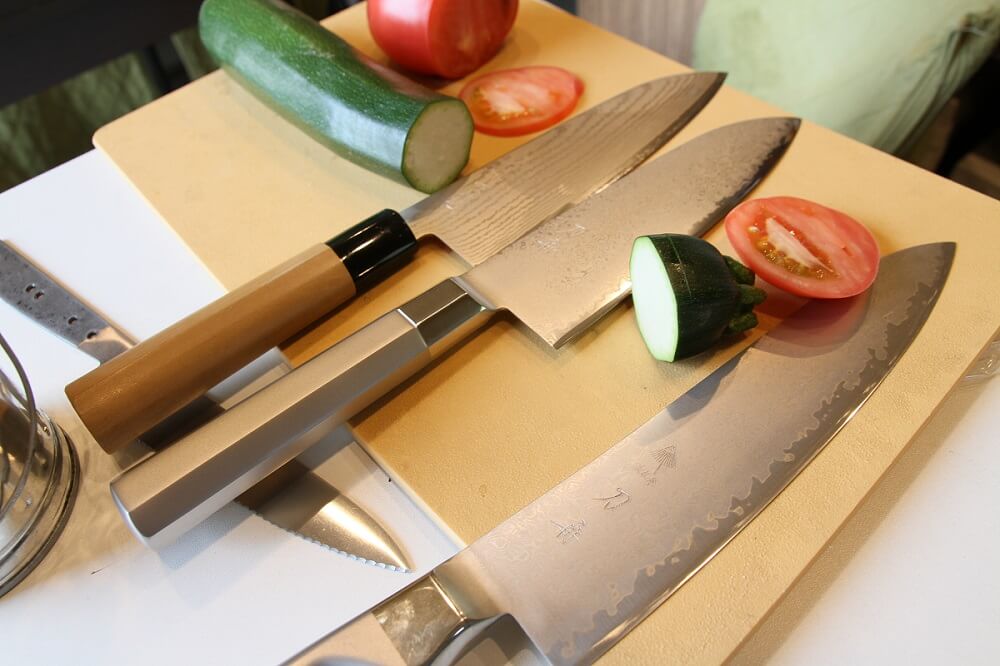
(495, 205)
(309, 507)
(567, 273)
(644, 517)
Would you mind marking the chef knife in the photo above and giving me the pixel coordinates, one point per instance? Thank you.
(476, 216)
(557, 279)
(644, 517)
(292, 498)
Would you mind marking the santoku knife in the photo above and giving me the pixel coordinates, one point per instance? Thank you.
(292, 498)
(640, 520)
(476, 216)
(557, 279)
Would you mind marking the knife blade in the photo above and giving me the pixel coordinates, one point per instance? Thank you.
(476, 216)
(561, 276)
(293, 498)
(28, 289)
(644, 517)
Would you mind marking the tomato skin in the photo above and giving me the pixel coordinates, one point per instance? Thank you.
(448, 38)
(839, 256)
(512, 102)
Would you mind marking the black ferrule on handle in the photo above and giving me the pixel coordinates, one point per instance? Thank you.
(375, 248)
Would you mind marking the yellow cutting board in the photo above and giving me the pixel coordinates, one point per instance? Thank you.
(504, 418)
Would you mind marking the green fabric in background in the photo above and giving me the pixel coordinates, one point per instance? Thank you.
(192, 53)
(56, 125)
(876, 70)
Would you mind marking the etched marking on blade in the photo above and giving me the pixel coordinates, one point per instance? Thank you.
(694, 549)
(730, 460)
(620, 498)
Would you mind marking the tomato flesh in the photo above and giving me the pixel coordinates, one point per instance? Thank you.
(803, 247)
(512, 102)
(448, 38)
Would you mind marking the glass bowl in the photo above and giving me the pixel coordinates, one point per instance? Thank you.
(39, 476)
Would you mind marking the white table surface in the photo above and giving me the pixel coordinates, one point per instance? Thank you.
(912, 578)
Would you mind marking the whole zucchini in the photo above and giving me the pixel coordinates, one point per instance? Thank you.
(363, 111)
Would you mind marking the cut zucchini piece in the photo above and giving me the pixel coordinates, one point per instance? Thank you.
(365, 112)
(687, 295)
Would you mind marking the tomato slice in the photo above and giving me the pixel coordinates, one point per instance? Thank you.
(803, 247)
(511, 102)
(448, 38)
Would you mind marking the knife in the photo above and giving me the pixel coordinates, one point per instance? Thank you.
(557, 279)
(476, 216)
(293, 498)
(644, 517)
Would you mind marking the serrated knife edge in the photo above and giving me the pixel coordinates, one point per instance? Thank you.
(22, 280)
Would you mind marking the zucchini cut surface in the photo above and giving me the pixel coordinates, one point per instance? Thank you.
(364, 112)
(654, 300)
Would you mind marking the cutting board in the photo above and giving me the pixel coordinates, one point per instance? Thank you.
(504, 417)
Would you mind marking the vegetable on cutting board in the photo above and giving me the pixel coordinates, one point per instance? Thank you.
(449, 38)
(363, 111)
(687, 295)
(512, 102)
(803, 247)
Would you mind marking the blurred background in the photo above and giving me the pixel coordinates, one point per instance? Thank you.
(915, 79)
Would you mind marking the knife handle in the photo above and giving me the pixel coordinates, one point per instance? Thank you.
(128, 395)
(420, 624)
(168, 493)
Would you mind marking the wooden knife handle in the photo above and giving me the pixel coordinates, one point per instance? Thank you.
(128, 395)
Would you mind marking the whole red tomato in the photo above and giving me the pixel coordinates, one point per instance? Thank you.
(448, 38)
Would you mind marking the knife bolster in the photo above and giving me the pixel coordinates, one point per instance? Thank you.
(374, 248)
(422, 623)
(444, 315)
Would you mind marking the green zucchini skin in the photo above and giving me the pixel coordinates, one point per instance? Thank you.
(314, 79)
(707, 295)
(711, 295)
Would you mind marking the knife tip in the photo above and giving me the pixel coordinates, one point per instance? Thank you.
(400, 565)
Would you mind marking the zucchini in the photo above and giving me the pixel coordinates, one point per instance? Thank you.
(363, 111)
(687, 295)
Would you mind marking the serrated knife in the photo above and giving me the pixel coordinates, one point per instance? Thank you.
(557, 279)
(476, 216)
(623, 533)
(292, 498)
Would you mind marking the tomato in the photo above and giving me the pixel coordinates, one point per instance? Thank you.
(803, 247)
(449, 38)
(511, 102)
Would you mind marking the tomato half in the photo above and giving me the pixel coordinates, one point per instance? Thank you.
(448, 38)
(511, 102)
(803, 247)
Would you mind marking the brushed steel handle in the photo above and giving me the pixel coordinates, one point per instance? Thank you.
(167, 494)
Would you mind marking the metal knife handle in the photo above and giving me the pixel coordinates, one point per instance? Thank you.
(138, 389)
(167, 494)
(420, 624)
